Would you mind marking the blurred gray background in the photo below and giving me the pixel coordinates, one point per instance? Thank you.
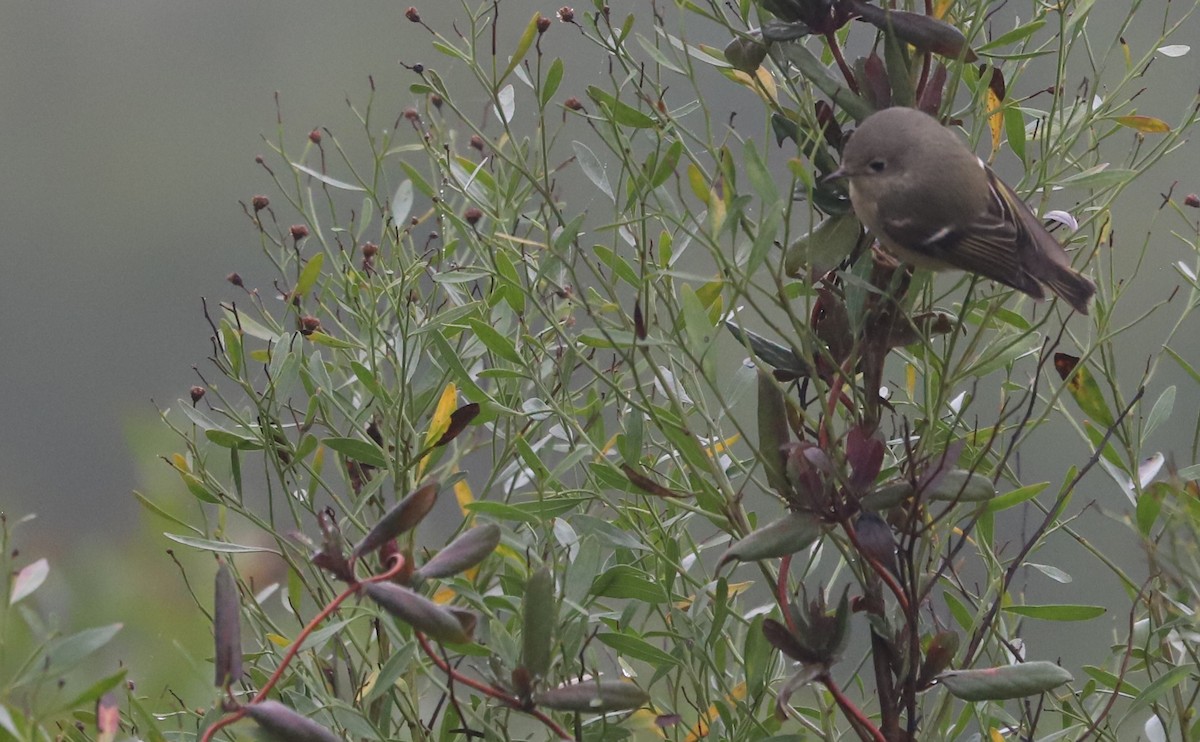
(129, 134)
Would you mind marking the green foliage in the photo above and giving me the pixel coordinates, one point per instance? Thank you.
(529, 321)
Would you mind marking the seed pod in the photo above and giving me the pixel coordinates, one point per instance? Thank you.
(746, 54)
(597, 698)
(453, 626)
(938, 656)
(227, 629)
(1002, 683)
(791, 533)
(961, 485)
(537, 630)
(281, 723)
(403, 516)
(772, 431)
(464, 552)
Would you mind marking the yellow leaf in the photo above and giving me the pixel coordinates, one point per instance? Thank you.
(443, 595)
(994, 735)
(942, 8)
(644, 725)
(735, 588)
(180, 463)
(1147, 124)
(995, 120)
(910, 380)
(719, 447)
(279, 641)
(698, 182)
(608, 446)
(463, 494)
(441, 420)
(1128, 57)
(700, 730)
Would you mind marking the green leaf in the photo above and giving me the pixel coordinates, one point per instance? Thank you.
(529, 512)
(227, 439)
(88, 696)
(220, 547)
(618, 265)
(666, 166)
(1086, 392)
(1014, 127)
(527, 36)
(1100, 176)
(329, 341)
(63, 654)
(638, 649)
(626, 582)
(364, 452)
(554, 77)
(1009, 38)
(593, 169)
(621, 113)
(310, 274)
(1161, 411)
(1161, 685)
(498, 344)
(1016, 497)
(1058, 612)
(333, 182)
(154, 508)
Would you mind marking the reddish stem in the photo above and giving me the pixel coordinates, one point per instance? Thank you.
(854, 712)
(288, 656)
(488, 690)
(836, 49)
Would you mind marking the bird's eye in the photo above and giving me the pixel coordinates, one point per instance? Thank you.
(877, 166)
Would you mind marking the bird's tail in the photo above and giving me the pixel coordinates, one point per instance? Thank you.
(1074, 288)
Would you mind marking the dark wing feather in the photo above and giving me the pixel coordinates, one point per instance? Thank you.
(995, 244)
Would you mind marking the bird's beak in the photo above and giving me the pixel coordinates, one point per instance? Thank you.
(835, 175)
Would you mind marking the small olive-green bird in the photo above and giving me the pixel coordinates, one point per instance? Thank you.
(931, 202)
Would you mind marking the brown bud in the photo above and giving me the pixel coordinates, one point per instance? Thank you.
(566, 14)
(402, 517)
(543, 24)
(472, 215)
(197, 393)
(464, 552)
(227, 628)
(573, 104)
(309, 325)
(412, 15)
(370, 249)
(281, 722)
(235, 279)
(259, 202)
(411, 114)
(258, 159)
(418, 68)
(436, 100)
(477, 142)
(299, 231)
(597, 697)
(314, 136)
(440, 623)
(1192, 200)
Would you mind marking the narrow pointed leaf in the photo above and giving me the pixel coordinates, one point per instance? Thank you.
(1002, 683)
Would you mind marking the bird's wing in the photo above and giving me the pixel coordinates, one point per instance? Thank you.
(998, 243)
